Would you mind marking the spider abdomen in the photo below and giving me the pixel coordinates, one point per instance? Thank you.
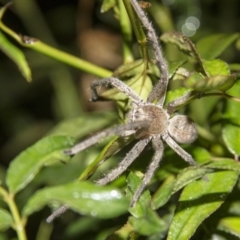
(155, 115)
(182, 129)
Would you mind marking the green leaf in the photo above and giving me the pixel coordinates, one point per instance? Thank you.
(173, 68)
(177, 93)
(83, 197)
(198, 200)
(144, 221)
(129, 69)
(181, 41)
(230, 225)
(232, 109)
(149, 224)
(16, 55)
(27, 164)
(201, 155)
(231, 136)
(217, 82)
(138, 81)
(224, 164)
(5, 220)
(216, 67)
(234, 66)
(219, 77)
(12, 51)
(212, 46)
(171, 185)
(134, 181)
(180, 73)
(189, 175)
(107, 5)
(142, 86)
(91, 121)
(193, 79)
(163, 194)
(231, 127)
(125, 232)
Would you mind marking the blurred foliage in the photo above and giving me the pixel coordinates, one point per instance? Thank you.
(44, 108)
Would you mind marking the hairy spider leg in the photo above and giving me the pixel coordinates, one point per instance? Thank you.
(159, 90)
(125, 163)
(182, 153)
(173, 105)
(157, 157)
(105, 133)
(57, 213)
(121, 86)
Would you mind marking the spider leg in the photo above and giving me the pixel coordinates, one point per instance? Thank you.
(181, 152)
(131, 156)
(60, 211)
(158, 148)
(173, 105)
(108, 132)
(159, 91)
(125, 163)
(121, 86)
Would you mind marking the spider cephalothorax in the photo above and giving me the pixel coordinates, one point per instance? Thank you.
(149, 121)
(156, 116)
(181, 128)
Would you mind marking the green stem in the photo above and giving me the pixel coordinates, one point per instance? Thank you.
(236, 99)
(18, 222)
(59, 55)
(137, 27)
(207, 135)
(185, 99)
(162, 16)
(222, 94)
(69, 59)
(126, 33)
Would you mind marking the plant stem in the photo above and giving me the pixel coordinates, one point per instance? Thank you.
(18, 222)
(59, 55)
(222, 94)
(137, 27)
(126, 29)
(70, 59)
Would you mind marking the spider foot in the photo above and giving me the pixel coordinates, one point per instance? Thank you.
(94, 97)
(137, 195)
(68, 152)
(132, 204)
(58, 213)
(205, 178)
(97, 99)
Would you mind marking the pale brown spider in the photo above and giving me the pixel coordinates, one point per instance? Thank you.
(149, 122)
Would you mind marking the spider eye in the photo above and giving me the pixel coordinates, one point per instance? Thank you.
(182, 129)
